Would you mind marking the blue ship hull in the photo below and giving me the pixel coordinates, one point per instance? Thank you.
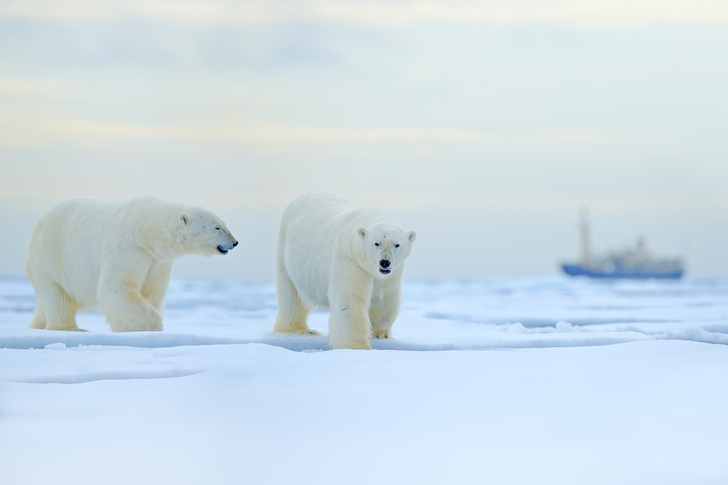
(616, 273)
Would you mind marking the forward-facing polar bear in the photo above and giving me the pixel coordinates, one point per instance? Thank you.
(115, 254)
(333, 254)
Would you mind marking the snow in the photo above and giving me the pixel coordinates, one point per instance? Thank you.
(500, 380)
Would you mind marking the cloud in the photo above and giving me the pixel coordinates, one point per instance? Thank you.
(377, 13)
(29, 126)
(30, 87)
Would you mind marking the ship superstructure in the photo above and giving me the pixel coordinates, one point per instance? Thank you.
(635, 263)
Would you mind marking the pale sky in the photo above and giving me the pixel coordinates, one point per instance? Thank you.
(484, 126)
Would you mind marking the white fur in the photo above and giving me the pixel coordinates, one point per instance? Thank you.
(86, 252)
(328, 256)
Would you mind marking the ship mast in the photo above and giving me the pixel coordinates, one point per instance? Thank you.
(584, 227)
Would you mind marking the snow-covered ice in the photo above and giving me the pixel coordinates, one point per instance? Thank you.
(502, 380)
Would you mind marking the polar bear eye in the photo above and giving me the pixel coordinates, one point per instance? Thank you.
(376, 244)
(217, 228)
(396, 245)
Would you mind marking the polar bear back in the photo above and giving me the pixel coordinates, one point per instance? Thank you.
(66, 243)
(316, 229)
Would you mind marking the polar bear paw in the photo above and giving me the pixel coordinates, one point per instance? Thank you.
(360, 345)
(382, 333)
(297, 328)
(155, 325)
(65, 327)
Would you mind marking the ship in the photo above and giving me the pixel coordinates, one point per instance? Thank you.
(632, 263)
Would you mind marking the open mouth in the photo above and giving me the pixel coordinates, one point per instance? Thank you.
(385, 271)
(222, 250)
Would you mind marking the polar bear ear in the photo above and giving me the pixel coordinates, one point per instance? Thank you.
(362, 233)
(183, 219)
(412, 236)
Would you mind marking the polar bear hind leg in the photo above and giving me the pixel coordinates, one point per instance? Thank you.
(56, 310)
(293, 312)
(39, 319)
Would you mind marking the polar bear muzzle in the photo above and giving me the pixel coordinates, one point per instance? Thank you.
(385, 266)
(224, 248)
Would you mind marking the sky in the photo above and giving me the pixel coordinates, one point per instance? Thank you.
(484, 126)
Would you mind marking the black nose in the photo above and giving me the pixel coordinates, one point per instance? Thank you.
(235, 243)
(384, 263)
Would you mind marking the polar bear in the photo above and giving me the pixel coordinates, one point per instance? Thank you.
(335, 255)
(115, 254)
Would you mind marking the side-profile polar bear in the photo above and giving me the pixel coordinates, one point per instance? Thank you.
(115, 254)
(335, 255)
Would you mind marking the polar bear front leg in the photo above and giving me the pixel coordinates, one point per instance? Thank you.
(384, 310)
(349, 296)
(156, 284)
(121, 301)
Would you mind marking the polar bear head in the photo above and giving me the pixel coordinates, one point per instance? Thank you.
(203, 232)
(386, 246)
